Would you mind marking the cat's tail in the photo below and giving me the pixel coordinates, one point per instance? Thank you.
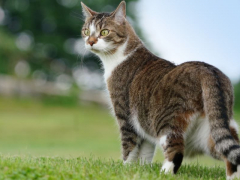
(218, 105)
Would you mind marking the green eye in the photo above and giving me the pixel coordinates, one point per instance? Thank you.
(86, 32)
(104, 32)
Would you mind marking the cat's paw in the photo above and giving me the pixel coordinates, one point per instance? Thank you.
(129, 161)
(235, 175)
(167, 167)
(126, 162)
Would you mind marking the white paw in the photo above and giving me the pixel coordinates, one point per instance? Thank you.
(167, 167)
(132, 157)
(235, 175)
(144, 161)
(126, 162)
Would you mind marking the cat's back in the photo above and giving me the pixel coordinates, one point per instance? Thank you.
(164, 85)
(195, 73)
(161, 74)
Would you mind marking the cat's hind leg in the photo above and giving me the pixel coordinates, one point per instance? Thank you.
(232, 170)
(173, 147)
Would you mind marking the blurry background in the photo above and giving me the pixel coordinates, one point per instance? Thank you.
(52, 100)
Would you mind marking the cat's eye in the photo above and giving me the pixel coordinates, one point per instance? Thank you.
(104, 32)
(86, 32)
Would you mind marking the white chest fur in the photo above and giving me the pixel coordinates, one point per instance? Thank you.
(111, 61)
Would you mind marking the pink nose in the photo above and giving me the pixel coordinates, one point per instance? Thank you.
(92, 40)
(91, 43)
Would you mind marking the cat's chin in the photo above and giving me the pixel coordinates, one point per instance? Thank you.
(92, 49)
(96, 51)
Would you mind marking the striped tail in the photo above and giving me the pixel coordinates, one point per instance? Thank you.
(218, 103)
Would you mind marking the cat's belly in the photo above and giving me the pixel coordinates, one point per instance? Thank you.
(140, 131)
(196, 138)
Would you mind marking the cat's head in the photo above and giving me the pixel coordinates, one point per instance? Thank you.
(104, 32)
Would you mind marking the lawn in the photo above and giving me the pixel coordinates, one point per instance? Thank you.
(51, 136)
(30, 127)
(48, 168)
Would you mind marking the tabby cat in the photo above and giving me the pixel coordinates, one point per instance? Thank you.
(187, 109)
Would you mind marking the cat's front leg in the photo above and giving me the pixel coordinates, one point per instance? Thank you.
(146, 152)
(134, 148)
(130, 143)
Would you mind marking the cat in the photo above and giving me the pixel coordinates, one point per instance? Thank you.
(186, 109)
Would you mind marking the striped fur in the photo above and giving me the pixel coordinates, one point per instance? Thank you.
(185, 109)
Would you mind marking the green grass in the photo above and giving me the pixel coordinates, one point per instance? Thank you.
(28, 127)
(48, 168)
(31, 131)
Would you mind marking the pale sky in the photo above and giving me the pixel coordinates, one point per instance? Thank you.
(186, 30)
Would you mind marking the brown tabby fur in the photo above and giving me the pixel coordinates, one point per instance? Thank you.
(164, 97)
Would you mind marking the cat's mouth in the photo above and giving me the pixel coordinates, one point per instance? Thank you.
(95, 49)
(92, 48)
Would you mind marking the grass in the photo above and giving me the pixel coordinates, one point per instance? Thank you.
(39, 141)
(48, 168)
(32, 128)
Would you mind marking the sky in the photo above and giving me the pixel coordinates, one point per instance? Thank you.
(187, 30)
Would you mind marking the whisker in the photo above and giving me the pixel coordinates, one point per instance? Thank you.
(82, 58)
(78, 16)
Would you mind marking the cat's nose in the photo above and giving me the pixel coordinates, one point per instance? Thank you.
(92, 41)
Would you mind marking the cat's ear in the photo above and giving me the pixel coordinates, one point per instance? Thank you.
(120, 13)
(87, 12)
